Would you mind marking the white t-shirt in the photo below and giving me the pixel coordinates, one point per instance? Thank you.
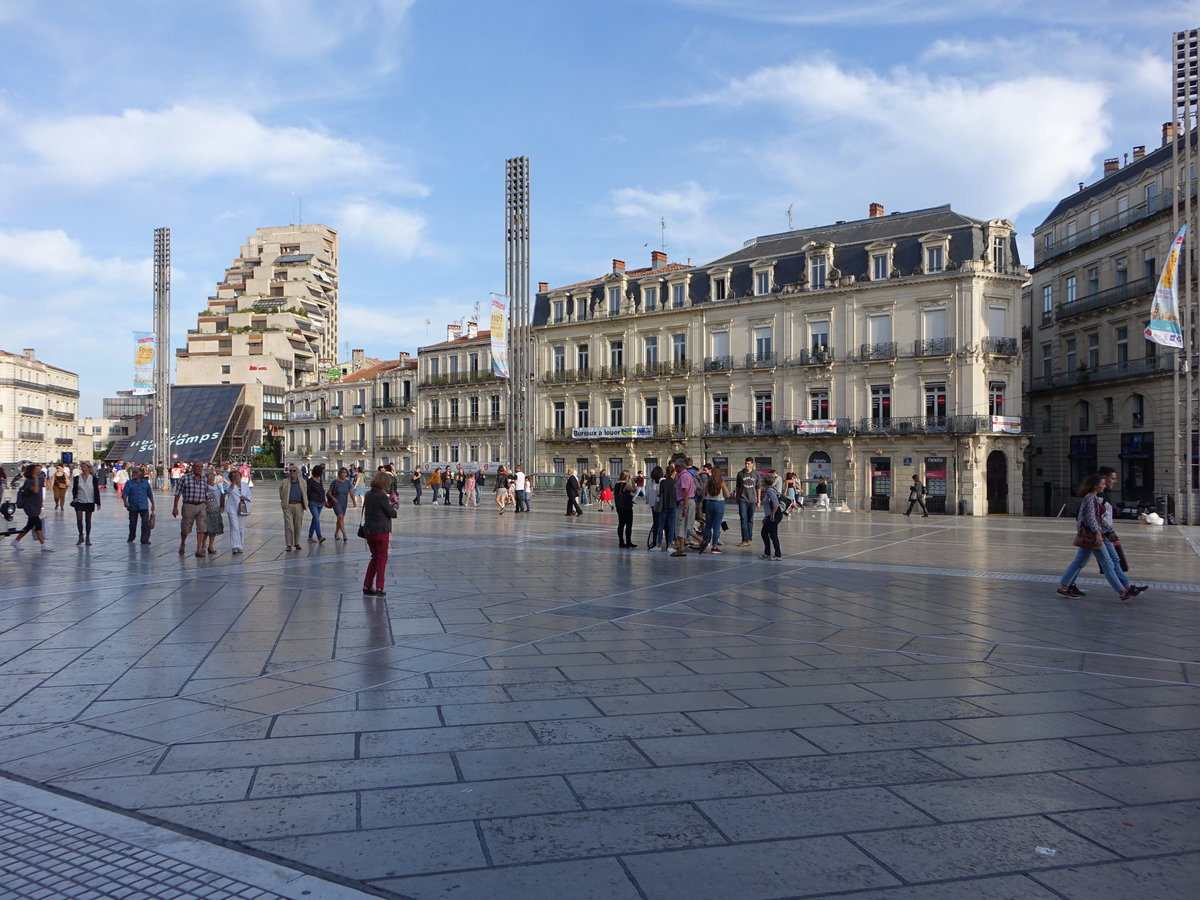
(519, 481)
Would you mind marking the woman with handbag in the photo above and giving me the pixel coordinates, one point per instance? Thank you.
(772, 513)
(1089, 538)
(376, 528)
(85, 499)
(337, 499)
(237, 510)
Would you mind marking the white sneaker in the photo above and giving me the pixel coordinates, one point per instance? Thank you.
(47, 548)
(16, 545)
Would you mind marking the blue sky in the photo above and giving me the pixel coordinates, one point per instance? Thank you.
(392, 119)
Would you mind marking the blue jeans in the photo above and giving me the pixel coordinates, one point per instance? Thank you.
(315, 527)
(714, 514)
(1106, 566)
(583, 496)
(746, 512)
(666, 526)
(1113, 558)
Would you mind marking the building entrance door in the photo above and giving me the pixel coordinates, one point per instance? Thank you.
(881, 483)
(997, 483)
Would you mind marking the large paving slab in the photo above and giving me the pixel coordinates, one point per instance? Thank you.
(898, 709)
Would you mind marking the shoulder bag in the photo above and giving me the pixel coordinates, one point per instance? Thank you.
(1088, 539)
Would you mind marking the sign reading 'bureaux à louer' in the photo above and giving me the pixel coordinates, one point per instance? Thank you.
(614, 431)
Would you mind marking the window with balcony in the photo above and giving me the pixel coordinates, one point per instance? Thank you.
(679, 411)
(453, 365)
(651, 414)
(435, 453)
(581, 357)
(494, 402)
(433, 366)
(454, 453)
(435, 409)
(818, 404)
(650, 299)
(560, 415)
(1047, 361)
(652, 351)
(762, 342)
(1122, 271)
(996, 391)
(881, 402)
(583, 414)
(1149, 264)
(935, 399)
(720, 409)
(679, 348)
(616, 354)
(1122, 333)
(559, 361)
(1071, 294)
(473, 363)
(818, 335)
(473, 451)
(452, 403)
(1071, 353)
(473, 407)
(764, 408)
(720, 349)
(1093, 351)
(1093, 280)
(616, 413)
(1047, 299)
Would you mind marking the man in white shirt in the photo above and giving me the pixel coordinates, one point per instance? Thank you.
(519, 490)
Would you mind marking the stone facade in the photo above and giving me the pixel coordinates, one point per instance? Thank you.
(39, 410)
(1099, 393)
(867, 351)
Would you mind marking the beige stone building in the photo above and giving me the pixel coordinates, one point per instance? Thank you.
(463, 404)
(39, 410)
(366, 417)
(866, 351)
(272, 324)
(1099, 393)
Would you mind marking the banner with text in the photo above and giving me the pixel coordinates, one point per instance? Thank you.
(143, 363)
(1164, 325)
(499, 339)
(1006, 424)
(816, 426)
(615, 431)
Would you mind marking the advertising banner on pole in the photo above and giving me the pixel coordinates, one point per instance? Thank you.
(143, 363)
(1164, 327)
(499, 339)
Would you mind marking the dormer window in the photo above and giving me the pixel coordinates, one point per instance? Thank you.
(614, 301)
(935, 252)
(558, 310)
(879, 267)
(678, 295)
(719, 288)
(882, 254)
(762, 283)
(650, 299)
(817, 270)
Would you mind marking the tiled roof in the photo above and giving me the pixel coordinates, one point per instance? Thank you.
(480, 337)
(631, 273)
(371, 372)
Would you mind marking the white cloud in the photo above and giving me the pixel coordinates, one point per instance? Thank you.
(991, 147)
(691, 223)
(55, 254)
(399, 233)
(303, 29)
(193, 143)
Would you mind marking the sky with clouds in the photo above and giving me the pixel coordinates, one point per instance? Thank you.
(390, 120)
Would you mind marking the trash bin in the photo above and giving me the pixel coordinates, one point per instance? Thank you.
(1160, 505)
(962, 507)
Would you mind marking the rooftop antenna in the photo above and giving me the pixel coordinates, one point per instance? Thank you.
(476, 312)
(789, 217)
(662, 230)
(426, 328)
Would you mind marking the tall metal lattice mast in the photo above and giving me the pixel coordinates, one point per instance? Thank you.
(521, 410)
(162, 354)
(1186, 413)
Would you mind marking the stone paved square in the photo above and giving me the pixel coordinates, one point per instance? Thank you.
(894, 711)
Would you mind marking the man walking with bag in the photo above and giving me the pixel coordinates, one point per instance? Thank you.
(915, 494)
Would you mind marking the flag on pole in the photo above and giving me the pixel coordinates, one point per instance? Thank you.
(499, 339)
(1164, 325)
(143, 363)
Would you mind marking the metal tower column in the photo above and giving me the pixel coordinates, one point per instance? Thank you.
(162, 356)
(521, 409)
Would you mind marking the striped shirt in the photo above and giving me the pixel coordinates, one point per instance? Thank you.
(192, 488)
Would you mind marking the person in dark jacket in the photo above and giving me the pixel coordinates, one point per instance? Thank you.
(378, 512)
(29, 501)
(316, 503)
(85, 498)
(622, 498)
(573, 487)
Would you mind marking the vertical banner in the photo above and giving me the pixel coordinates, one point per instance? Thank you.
(143, 363)
(499, 339)
(1164, 325)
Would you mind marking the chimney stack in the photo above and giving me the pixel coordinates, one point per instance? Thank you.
(453, 330)
(1168, 132)
(543, 286)
(472, 329)
(29, 354)
(1112, 164)
(875, 210)
(356, 360)
(618, 267)
(1138, 152)
(658, 259)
